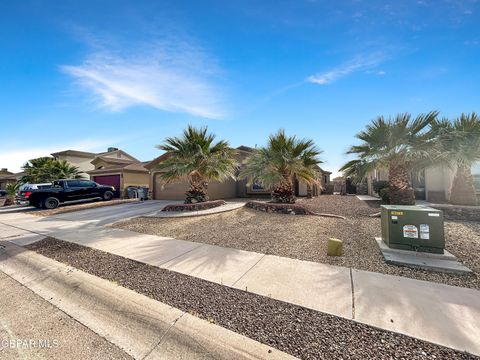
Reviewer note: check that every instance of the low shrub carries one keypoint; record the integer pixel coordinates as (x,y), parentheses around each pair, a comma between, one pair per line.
(378,185)
(385,195)
(270,207)
(194,207)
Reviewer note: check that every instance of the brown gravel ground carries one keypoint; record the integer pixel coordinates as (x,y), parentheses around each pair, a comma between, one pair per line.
(77,207)
(348,206)
(293,329)
(305,237)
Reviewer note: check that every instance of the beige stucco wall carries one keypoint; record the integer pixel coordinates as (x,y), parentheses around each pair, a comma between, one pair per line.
(375,175)
(438,182)
(176,190)
(302,188)
(100,164)
(131,178)
(83,163)
(118,155)
(225,190)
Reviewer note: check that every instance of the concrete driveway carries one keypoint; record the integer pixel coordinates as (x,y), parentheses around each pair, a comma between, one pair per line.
(109,214)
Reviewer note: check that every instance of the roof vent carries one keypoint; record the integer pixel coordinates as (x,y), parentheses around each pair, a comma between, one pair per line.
(110,149)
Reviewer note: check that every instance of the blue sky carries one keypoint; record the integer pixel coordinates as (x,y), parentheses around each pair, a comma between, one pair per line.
(86,75)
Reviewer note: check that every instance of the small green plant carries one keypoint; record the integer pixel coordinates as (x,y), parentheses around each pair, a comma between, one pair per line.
(378,185)
(385,195)
(11,189)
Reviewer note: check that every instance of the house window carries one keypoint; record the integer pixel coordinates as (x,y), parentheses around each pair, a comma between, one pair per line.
(257,187)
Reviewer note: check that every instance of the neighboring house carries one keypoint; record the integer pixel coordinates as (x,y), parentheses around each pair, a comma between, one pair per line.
(118,169)
(6,177)
(80,159)
(114,167)
(216,190)
(432,184)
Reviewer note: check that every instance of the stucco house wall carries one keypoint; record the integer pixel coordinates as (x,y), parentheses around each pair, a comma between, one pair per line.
(82,162)
(438,182)
(134,178)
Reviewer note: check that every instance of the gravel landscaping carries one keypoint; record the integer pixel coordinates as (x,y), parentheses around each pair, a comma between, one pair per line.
(305,237)
(348,205)
(83,206)
(296,330)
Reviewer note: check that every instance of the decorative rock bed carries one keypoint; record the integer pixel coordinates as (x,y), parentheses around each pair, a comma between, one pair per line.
(458,212)
(292,209)
(194,207)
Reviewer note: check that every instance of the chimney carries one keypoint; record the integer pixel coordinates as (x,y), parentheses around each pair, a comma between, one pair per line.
(110,149)
(4,169)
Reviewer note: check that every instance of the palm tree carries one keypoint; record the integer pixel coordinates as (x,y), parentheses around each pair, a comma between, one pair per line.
(47,169)
(458,146)
(284,159)
(64,170)
(12,189)
(196,158)
(400,145)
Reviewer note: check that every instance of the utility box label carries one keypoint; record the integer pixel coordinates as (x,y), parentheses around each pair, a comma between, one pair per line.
(410,231)
(424,231)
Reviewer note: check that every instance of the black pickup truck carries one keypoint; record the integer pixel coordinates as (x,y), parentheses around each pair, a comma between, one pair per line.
(69,190)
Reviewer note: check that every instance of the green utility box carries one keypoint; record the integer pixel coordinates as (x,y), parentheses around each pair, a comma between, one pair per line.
(413,228)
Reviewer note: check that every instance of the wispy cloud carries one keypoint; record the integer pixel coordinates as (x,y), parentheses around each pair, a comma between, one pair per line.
(13,157)
(169,76)
(359,63)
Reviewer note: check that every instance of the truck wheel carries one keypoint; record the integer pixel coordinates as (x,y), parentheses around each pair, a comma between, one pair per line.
(108,195)
(51,202)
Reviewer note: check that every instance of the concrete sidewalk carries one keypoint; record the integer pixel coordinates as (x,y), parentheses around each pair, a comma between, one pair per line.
(438,313)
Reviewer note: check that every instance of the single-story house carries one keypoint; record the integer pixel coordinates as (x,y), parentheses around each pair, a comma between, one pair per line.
(228,189)
(6,177)
(121,170)
(433,184)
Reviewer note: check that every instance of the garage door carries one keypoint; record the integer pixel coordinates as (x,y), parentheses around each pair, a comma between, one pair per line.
(176,191)
(172,191)
(112,180)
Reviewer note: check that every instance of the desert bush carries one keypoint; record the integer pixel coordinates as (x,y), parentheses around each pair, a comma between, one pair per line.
(385,195)
(378,185)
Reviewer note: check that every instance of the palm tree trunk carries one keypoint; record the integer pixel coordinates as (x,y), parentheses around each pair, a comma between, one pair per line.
(401,193)
(283,192)
(197,191)
(463,190)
